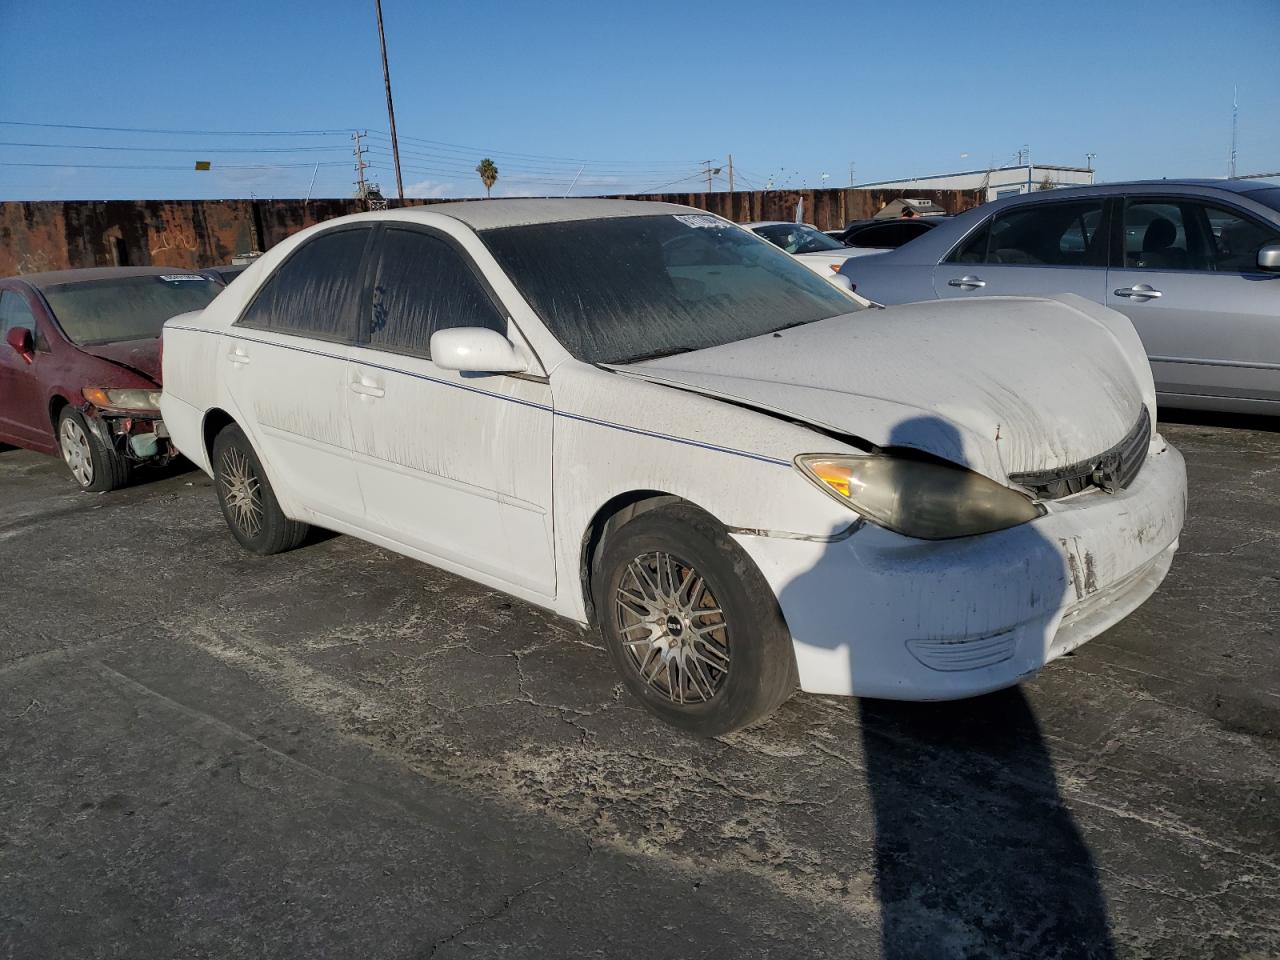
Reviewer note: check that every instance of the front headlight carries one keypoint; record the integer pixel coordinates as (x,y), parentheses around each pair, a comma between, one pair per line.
(925,499)
(136,401)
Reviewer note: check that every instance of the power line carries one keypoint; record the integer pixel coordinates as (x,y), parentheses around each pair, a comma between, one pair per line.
(198,150)
(471,150)
(221,166)
(193,133)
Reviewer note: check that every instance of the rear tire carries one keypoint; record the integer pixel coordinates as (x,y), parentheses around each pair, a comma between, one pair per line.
(248,503)
(690,622)
(95,466)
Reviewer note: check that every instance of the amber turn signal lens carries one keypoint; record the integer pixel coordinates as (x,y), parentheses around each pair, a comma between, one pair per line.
(837,476)
(97,396)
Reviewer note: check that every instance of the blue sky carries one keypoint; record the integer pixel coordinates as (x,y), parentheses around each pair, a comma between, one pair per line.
(633,95)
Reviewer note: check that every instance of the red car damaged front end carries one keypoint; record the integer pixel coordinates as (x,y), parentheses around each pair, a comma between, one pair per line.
(122,398)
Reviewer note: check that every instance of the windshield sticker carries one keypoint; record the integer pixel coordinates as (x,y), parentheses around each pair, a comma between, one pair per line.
(171,277)
(701,220)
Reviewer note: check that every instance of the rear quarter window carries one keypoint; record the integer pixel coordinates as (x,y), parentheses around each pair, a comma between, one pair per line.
(316,292)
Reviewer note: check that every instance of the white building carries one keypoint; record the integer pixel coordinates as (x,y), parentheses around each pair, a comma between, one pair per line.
(998,182)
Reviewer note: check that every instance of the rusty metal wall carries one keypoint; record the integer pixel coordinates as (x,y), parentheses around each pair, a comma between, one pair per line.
(56,235)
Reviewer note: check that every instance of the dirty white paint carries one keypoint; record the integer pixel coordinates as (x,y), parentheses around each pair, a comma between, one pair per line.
(498,477)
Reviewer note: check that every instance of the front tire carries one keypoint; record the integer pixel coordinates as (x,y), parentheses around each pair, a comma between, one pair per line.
(691,624)
(95,466)
(248,503)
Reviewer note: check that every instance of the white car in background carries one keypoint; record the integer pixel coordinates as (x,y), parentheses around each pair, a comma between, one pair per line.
(638,416)
(817,251)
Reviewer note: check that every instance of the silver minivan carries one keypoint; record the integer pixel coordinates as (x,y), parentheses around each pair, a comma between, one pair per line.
(1195,264)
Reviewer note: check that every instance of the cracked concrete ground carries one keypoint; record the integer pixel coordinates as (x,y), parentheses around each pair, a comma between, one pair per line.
(338,752)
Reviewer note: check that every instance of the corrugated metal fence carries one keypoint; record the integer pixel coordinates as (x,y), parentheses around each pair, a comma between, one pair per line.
(55,235)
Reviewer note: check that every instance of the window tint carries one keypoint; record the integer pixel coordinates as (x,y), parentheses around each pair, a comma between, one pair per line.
(891,235)
(316,291)
(1048,234)
(423,285)
(974,247)
(1189,235)
(15,313)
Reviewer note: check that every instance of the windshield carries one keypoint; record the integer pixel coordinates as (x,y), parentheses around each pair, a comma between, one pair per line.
(798,238)
(126,308)
(629,288)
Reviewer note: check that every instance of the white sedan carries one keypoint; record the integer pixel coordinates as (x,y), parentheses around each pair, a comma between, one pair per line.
(640,417)
(816,250)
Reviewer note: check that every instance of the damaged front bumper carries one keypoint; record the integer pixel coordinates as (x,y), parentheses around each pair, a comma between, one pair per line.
(878,614)
(138,437)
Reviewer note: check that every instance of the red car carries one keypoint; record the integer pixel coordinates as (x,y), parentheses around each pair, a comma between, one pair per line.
(80,365)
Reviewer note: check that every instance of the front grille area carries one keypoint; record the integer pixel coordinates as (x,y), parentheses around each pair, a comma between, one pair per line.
(1110,470)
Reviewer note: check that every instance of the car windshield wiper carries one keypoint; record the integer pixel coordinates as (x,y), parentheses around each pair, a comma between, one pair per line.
(655,355)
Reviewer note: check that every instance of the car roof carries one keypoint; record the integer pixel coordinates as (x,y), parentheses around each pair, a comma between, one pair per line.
(53,278)
(1243,187)
(518,212)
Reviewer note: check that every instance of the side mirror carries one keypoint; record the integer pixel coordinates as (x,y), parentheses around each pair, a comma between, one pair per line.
(1269,258)
(22,342)
(475,350)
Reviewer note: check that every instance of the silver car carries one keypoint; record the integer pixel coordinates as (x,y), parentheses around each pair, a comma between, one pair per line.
(1195,264)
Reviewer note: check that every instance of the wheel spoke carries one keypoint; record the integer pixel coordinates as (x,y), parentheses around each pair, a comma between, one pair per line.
(662,605)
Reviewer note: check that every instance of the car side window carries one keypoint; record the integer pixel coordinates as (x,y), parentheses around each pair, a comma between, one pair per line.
(1048,234)
(892,235)
(15,313)
(424,284)
(973,249)
(1191,235)
(316,291)
(1155,235)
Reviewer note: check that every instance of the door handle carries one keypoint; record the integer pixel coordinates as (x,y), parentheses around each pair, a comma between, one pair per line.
(238,355)
(367,388)
(967,283)
(1141,291)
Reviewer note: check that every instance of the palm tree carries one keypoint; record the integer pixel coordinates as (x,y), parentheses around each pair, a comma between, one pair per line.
(488,171)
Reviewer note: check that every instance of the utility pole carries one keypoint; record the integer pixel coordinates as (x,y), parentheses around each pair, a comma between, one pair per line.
(850,174)
(391,113)
(359,152)
(1235,125)
(731,173)
(707,172)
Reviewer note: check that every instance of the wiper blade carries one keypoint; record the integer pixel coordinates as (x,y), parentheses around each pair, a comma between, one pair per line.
(655,355)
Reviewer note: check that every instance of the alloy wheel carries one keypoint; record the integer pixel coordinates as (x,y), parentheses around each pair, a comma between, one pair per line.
(76,451)
(242,491)
(673,628)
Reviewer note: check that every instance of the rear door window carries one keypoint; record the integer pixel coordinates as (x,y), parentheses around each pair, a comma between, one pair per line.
(316,291)
(424,284)
(1048,234)
(973,249)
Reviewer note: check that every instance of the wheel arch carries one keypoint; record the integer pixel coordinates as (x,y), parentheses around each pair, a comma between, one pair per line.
(56,403)
(612,514)
(215,421)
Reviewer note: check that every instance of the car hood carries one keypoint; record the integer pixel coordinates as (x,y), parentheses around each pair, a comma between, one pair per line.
(140,356)
(1001,385)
